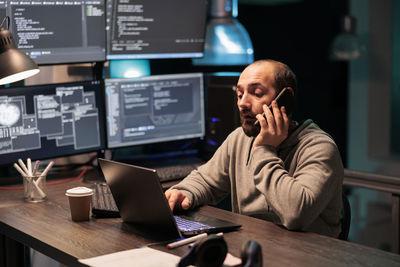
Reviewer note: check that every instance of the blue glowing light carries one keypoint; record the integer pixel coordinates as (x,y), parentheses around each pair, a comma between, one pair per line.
(129,68)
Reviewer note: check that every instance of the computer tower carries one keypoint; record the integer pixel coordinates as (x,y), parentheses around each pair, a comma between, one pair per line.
(222,114)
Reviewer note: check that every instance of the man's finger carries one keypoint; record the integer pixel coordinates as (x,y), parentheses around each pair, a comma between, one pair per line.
(173,198)
(286,122)
(185,203)
(270,119)
(277,116)
(261,120)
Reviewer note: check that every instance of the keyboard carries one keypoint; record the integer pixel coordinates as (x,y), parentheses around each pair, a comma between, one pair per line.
(190,225)
(103,203)
(175,172)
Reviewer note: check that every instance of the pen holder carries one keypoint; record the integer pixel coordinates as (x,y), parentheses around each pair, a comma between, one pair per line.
(35,188)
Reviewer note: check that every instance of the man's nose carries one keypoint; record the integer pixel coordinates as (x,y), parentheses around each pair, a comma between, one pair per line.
(244,102)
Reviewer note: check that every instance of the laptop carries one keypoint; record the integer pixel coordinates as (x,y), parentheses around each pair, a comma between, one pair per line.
(141,202)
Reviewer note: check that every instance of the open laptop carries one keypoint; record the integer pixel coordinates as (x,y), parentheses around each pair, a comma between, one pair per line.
(141,201)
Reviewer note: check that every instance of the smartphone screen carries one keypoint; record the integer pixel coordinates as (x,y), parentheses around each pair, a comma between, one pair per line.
(284,98)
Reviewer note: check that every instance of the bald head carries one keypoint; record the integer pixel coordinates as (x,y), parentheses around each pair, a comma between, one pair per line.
(283,75)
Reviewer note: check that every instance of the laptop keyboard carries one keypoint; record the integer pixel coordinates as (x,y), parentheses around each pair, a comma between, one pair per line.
(103,203)
(189,225)
(103,206)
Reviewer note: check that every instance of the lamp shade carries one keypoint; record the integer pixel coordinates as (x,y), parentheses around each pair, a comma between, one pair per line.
(14,65)
(227,41)
(346,45)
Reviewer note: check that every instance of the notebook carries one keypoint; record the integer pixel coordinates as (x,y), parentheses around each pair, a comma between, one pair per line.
(141,202)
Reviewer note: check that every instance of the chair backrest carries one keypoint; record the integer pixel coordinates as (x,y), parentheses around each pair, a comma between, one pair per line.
(346,217)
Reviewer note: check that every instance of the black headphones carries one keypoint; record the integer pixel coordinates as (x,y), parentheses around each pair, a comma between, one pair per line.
(251,254)
(211,252)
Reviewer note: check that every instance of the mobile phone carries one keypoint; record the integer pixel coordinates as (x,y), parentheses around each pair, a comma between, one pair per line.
(284,98)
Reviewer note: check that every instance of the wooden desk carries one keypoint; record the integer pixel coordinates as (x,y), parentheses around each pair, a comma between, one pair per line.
(47,227)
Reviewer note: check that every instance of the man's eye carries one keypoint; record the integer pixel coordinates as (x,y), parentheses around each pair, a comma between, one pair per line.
(258,92)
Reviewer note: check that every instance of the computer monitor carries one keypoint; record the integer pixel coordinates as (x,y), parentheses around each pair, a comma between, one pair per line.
(48,121)
(56,32)
(151,29)
(154,109)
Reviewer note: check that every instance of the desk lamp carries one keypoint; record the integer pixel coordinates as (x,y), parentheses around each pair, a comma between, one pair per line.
(14,65)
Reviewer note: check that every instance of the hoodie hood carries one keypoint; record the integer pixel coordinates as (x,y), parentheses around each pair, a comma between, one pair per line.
(302,131)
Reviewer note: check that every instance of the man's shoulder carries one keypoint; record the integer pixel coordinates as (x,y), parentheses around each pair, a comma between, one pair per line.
(309,129)
(313,136)
(307,134)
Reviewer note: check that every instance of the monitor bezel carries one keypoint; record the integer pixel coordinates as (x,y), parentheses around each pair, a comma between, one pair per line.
(66,59)
(155,55)
(164,140)
(102,123)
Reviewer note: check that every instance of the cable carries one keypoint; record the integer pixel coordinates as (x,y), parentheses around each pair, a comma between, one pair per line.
(51,183)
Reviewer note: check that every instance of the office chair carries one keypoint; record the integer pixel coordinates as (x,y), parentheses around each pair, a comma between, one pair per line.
(346,217)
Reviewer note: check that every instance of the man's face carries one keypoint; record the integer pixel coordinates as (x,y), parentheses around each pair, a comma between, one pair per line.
(255,88)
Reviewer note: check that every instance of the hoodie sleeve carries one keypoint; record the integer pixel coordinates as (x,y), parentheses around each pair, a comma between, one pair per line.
(298,199)
(210,182)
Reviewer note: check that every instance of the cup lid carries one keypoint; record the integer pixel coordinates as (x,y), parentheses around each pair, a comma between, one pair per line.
(80,191)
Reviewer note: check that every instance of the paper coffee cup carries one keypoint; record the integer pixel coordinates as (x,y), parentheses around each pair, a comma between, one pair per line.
(79,202)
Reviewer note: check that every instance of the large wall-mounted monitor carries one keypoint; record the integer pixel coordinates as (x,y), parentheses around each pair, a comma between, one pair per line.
(151,29)
(48,121)
(57,32)
(154,109)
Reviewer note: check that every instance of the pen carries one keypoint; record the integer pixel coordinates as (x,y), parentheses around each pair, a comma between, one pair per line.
(186,241)
(19,169)
(44,173)
(35,168)
(191,244)
(29,165)
(22,164)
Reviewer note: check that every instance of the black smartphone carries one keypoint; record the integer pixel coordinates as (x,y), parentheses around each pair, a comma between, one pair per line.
(284,98)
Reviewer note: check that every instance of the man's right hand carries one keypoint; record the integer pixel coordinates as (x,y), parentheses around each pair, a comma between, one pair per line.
(176,198)
(275,128)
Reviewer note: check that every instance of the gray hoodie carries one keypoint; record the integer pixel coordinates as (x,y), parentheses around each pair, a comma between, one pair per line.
(298,185)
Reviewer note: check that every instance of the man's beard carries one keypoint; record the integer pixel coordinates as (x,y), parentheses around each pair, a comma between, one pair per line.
(248,127)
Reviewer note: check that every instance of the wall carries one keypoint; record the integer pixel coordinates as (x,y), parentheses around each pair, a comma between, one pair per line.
(300,34)
(370,83)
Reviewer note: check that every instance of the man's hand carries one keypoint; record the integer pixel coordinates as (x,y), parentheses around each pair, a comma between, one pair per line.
(176,198)
(274,129)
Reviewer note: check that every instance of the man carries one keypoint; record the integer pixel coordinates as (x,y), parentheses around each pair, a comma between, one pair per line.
(279,171)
